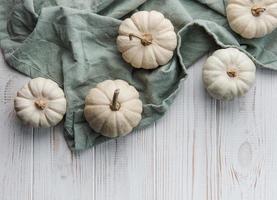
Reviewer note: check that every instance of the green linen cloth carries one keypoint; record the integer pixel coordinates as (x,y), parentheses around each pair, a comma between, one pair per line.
(73,43)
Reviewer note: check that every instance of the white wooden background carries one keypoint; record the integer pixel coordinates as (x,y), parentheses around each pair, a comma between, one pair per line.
(202,149)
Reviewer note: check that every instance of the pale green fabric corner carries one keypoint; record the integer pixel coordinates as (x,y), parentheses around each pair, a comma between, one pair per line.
(73,43)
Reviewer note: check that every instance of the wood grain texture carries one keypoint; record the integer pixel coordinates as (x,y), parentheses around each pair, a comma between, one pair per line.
(246,142)
(201,149)
(16,149)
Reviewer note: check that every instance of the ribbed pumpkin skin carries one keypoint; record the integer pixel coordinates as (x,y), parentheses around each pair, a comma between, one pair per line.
(228,73)
(154,27)
(50,107)
(250,19)
(108,122)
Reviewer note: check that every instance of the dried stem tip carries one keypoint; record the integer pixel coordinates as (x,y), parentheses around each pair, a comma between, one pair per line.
(115,105)
(146,39)
(41,104)
(232,73)
(257,10)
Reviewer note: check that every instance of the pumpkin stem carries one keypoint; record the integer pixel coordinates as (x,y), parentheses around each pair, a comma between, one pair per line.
(257,10)
(232,73)
(146,39)
(115,106)
(41,104)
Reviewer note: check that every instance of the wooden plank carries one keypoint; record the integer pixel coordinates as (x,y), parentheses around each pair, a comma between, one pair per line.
(247,141)
(124,168)
(84,174)
(16,149)
(59,173)
(185,158)
(52,166)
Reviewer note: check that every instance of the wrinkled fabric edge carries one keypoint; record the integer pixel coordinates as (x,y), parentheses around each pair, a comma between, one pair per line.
(201,24)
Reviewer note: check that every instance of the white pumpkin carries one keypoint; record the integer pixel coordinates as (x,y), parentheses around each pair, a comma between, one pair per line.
(252,18)
(147,39)
(40,103)
(228,73)
(113,108)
